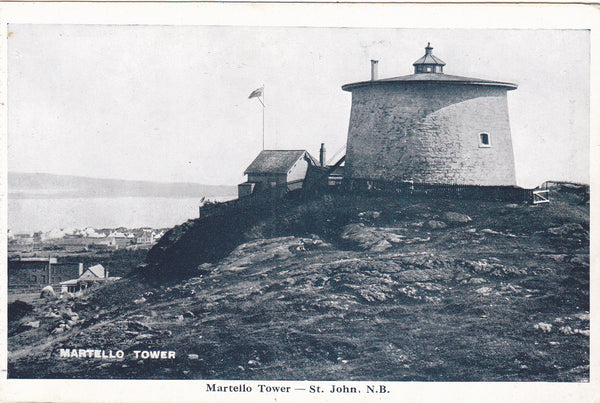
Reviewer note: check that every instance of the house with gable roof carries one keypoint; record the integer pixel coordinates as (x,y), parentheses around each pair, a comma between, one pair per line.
(147,236)
(92,275)
(117,239)
(276,169)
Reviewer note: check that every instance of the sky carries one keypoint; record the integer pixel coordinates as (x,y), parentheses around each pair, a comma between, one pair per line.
(170,103)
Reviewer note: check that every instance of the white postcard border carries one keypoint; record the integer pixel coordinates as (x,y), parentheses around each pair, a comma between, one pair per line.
(522,16)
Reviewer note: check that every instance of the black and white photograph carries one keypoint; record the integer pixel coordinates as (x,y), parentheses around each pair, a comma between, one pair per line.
(317,211)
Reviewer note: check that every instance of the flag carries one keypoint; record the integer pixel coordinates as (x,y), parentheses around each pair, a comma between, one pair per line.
(257,93)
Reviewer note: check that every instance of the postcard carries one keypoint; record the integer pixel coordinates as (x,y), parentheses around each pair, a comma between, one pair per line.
(261,202)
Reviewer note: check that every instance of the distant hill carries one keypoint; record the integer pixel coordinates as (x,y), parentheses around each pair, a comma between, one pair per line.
(40,185)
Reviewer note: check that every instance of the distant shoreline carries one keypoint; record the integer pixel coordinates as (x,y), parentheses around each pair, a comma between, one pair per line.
(57,196)
(50,186)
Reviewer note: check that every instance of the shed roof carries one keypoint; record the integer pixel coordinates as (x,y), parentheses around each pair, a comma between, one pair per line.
(431,77)
(275,161)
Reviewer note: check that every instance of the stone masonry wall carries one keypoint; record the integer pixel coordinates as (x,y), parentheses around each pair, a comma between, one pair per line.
(429,133)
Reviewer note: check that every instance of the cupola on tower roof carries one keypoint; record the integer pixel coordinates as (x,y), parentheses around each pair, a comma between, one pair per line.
(429,63)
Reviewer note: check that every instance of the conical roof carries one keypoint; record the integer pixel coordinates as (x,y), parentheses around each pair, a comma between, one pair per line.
(429,58)
(431,77)
(430,69)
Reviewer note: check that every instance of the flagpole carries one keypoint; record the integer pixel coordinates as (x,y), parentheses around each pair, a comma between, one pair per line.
(257,93)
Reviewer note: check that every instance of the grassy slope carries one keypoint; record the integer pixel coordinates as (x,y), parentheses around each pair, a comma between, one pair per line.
(297,300)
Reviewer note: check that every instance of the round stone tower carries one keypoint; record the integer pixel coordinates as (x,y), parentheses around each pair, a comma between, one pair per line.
(430,127)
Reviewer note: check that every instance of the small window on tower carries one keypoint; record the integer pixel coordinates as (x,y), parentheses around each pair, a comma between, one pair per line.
(484,140)
(428,69)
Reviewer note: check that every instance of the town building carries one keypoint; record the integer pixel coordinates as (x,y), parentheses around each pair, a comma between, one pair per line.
(117,240)
(276,169)
(24,242)
(146,237)
(96,239)
(96,274)
(430,127)
(36,273)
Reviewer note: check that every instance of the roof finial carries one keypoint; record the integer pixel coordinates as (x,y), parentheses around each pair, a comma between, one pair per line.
(428,48)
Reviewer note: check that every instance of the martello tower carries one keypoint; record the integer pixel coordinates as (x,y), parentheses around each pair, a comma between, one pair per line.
(430,127)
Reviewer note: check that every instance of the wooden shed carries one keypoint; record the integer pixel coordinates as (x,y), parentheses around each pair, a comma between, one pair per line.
(276,169)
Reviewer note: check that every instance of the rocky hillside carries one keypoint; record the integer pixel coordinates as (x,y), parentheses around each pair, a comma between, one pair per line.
(340,288)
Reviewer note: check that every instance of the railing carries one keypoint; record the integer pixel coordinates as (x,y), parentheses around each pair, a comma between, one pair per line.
(503,193)
(541,196)
(266,198)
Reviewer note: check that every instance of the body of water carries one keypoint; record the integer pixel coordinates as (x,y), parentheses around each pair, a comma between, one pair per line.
(29,215)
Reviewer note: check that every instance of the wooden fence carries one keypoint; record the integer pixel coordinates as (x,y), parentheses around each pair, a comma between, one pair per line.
(501,193)
(268,198)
